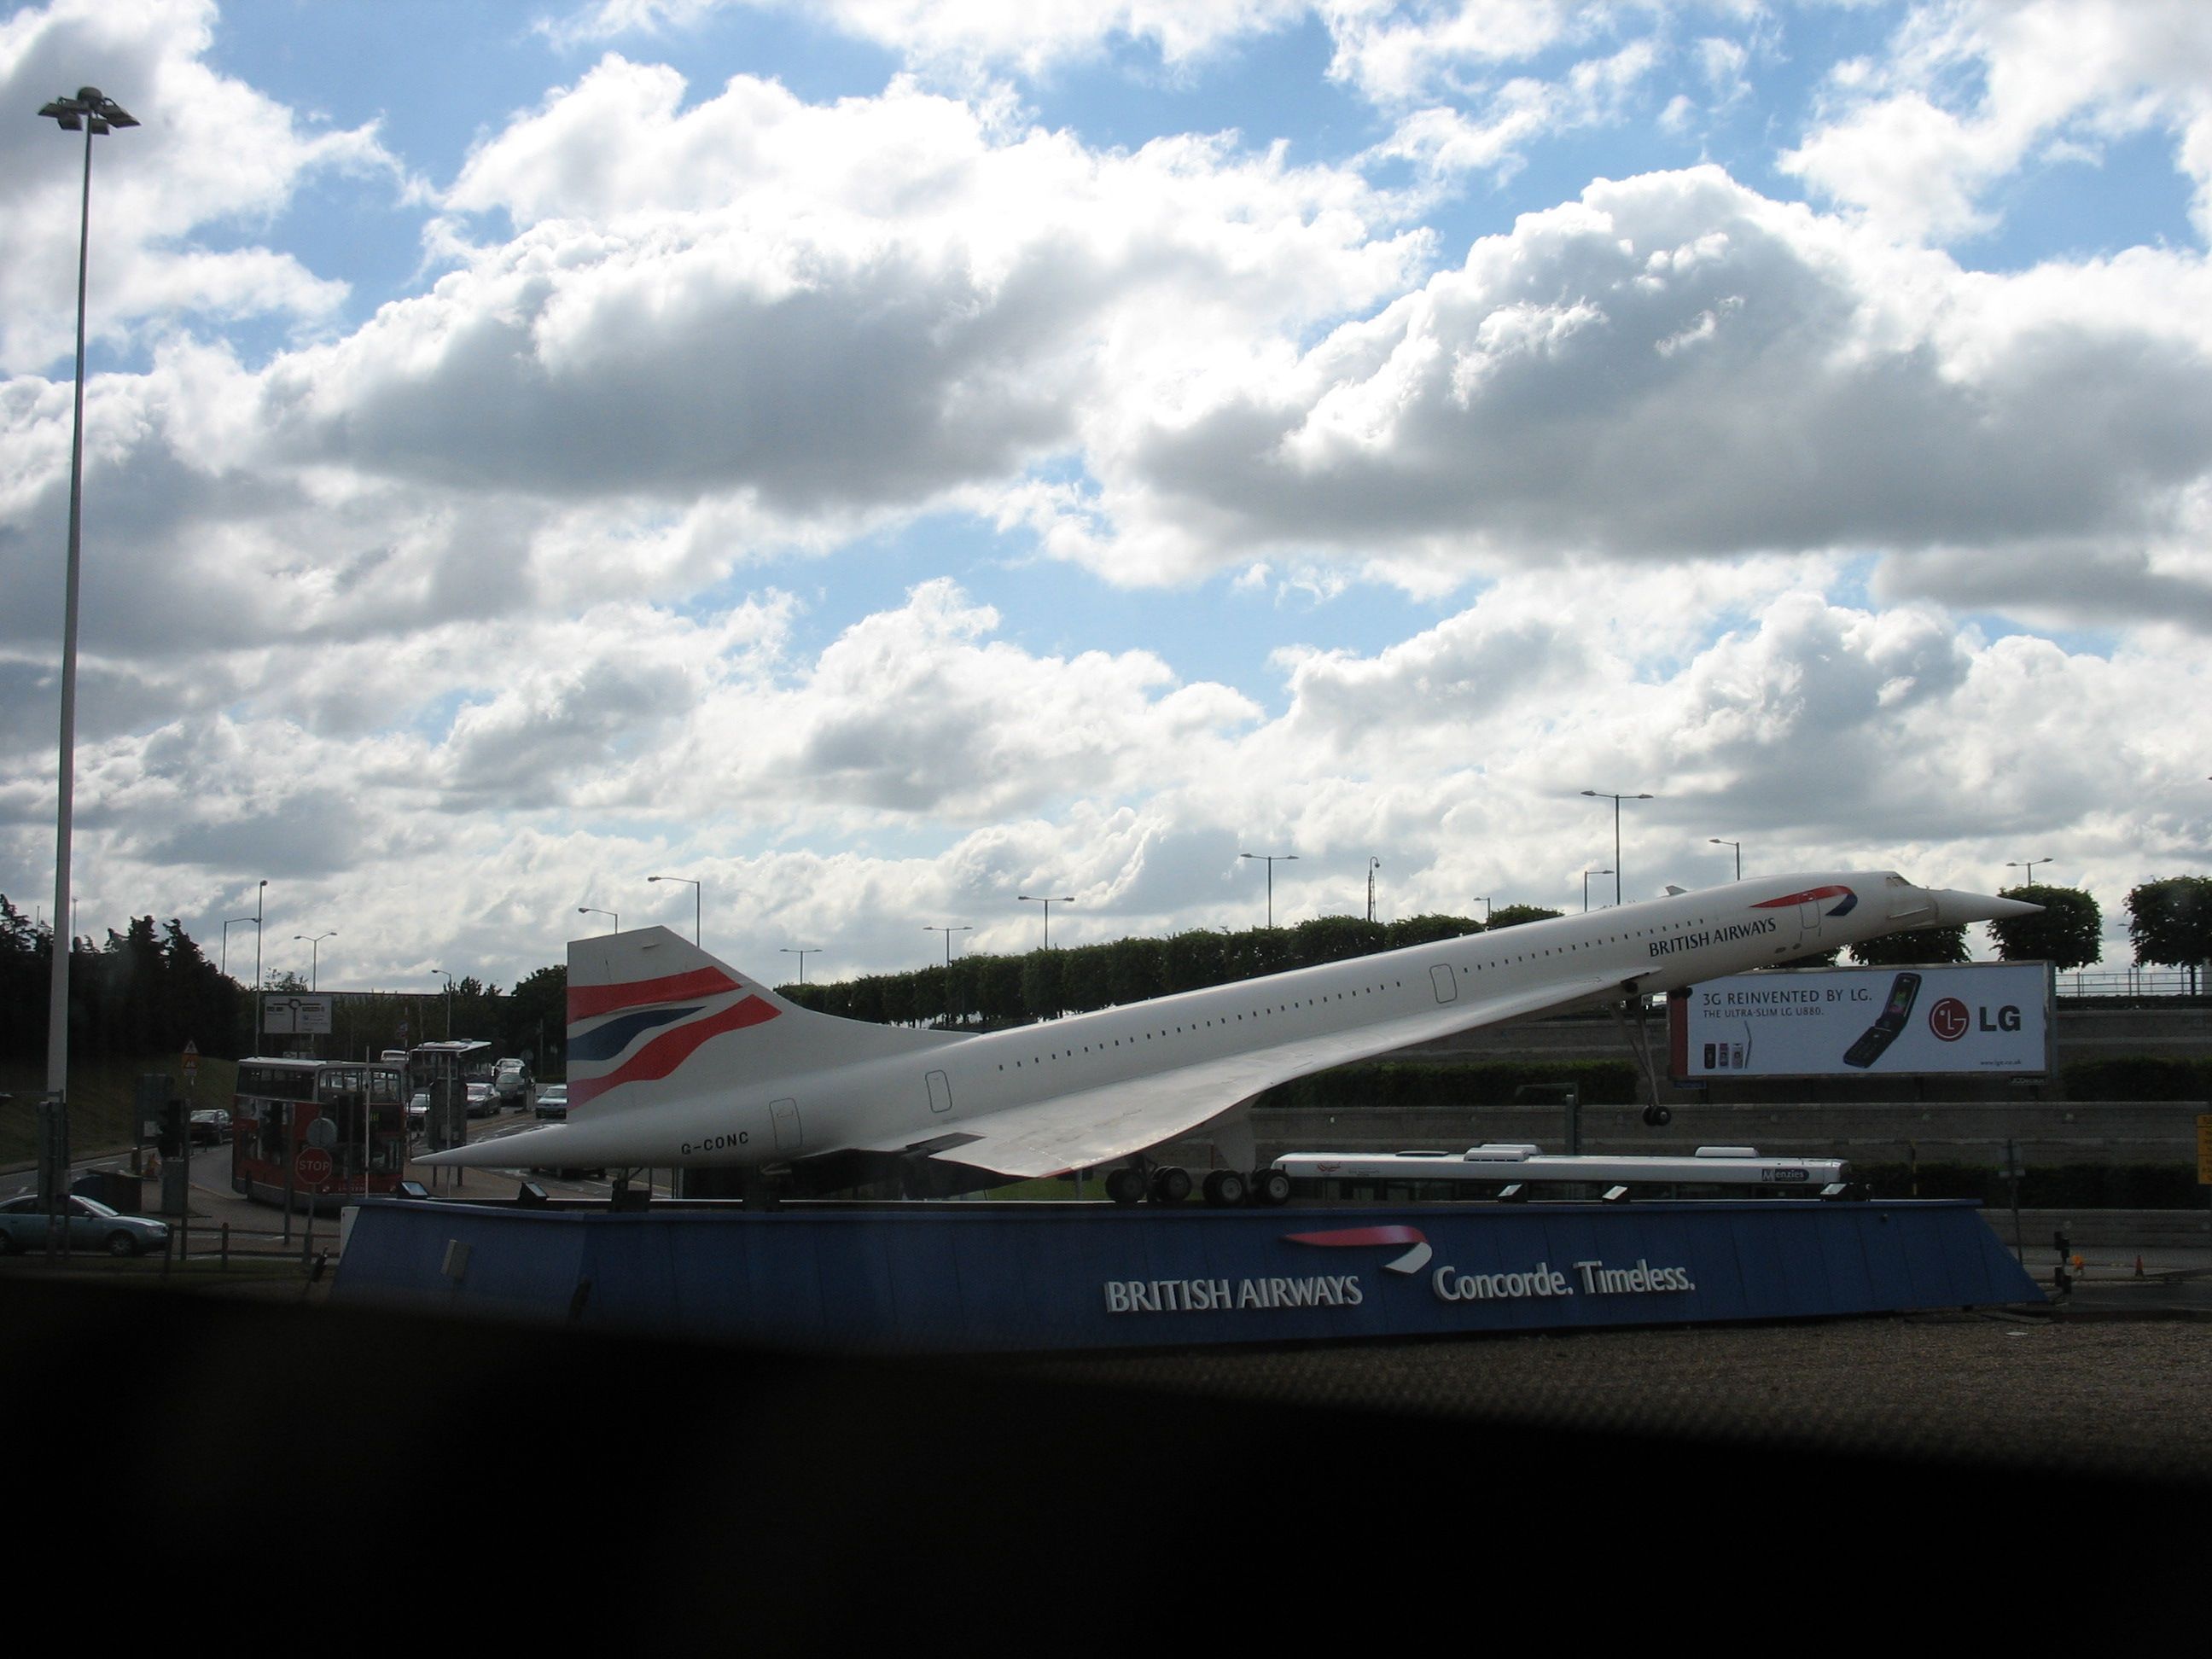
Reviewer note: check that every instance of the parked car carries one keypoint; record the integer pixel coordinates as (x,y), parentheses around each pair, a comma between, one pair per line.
(92,1226)
(418,1112)
(481,1102)
(512,1083)
(553,1100)
(210,1126)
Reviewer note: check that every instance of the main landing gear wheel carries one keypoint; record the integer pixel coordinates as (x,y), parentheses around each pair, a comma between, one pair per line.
(1271,1188)
(1225,1189)
(1126,1186)
(1171,1184)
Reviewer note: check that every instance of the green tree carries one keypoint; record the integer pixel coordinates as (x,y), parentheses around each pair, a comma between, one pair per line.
(1512,915)
(2068,933)
(1428,929)
(1191,959)
(2170,922)
(1938,945)
(1335,938)
(538,1009)
(1041,983)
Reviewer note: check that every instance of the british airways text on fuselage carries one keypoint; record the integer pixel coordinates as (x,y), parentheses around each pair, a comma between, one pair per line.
(1734,931)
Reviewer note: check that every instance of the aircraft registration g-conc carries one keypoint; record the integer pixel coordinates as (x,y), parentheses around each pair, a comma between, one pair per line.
(678,1061)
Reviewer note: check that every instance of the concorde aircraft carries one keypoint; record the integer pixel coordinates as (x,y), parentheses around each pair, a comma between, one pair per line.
(678,1061)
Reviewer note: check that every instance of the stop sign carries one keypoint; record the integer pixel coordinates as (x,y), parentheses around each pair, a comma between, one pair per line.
(312,1166)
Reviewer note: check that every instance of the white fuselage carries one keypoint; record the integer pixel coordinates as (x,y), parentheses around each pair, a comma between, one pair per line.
(1653,947)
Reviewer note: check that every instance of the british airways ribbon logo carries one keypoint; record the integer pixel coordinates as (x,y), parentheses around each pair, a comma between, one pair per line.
(642,1030)
(1358,1237)
(1815,896)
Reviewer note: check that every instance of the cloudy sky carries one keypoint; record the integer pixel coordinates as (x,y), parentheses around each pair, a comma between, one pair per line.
(880,457)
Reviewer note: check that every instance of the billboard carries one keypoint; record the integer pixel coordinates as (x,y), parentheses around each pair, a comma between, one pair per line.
(1980,1016)
(286,1014)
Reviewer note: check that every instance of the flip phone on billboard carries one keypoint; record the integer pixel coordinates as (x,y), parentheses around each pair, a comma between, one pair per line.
(1887,1023)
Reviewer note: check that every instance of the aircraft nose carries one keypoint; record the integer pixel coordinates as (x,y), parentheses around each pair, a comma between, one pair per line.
(1954,907)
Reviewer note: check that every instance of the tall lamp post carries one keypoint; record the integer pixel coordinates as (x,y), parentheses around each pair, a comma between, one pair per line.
(802,953)
(311,944)
(1601,795)
(593,910)
(1587,874)
(2027,865)
(948,931)
(1738,845)
(1484,903)
(1048,903)
(697,900)
(1373,864)
(235,922)
(259,893)
(1271,860)
(93,112)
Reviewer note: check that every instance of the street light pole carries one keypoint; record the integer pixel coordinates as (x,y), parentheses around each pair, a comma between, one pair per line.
(1048,903)
(235,922)
(2027,865)
(948,931)
(1601,795)
(802,953)
(312,945)
(593,910)
(258,930)
(697,900)
(449,1002)
(1373,864)
(93,112)
(1272,859)
(1587,874)
(1738,845)
(1484,903)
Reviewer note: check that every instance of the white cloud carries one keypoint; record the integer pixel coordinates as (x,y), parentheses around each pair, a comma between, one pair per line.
(1974,91)
(1675,365)
(1030,35)
(212,151)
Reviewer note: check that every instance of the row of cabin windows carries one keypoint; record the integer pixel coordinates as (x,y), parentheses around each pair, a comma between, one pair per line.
(1203,1024)
(1338,996)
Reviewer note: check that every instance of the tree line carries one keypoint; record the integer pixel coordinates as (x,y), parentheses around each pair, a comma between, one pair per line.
(150,988)
(2170,924)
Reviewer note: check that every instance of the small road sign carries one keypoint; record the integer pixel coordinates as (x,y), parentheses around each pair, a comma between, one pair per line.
(312,1166)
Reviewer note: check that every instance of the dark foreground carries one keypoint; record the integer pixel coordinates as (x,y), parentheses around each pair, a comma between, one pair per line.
(808,1501)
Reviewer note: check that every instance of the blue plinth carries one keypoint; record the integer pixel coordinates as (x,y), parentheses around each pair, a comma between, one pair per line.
(960,1278)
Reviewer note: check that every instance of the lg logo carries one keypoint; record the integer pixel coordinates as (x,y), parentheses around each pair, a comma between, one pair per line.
(1950,1020)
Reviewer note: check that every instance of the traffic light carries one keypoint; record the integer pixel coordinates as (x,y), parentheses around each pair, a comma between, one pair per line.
(171,1142)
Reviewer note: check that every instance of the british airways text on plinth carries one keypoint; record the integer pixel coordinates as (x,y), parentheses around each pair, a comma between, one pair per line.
(1220,1295)
(1592,1278)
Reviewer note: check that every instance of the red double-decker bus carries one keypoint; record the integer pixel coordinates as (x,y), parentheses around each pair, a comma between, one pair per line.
(281,1154)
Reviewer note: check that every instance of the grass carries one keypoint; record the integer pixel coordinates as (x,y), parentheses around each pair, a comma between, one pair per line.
(101,1093)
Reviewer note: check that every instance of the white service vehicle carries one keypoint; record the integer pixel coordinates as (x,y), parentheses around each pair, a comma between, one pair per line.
(1518,1164)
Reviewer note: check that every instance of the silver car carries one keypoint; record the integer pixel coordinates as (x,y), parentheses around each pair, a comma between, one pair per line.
(553,1100)
(92,1226)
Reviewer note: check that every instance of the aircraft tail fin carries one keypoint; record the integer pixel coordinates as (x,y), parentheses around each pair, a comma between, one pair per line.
(651,1018)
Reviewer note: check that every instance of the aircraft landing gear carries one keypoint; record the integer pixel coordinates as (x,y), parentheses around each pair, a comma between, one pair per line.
(1171,1184)
(1126,1185)
(1225,1189)
(1271,1188)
